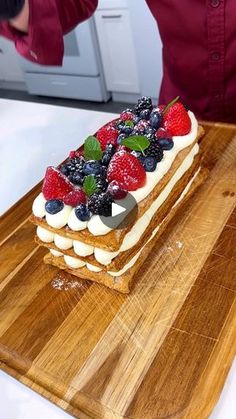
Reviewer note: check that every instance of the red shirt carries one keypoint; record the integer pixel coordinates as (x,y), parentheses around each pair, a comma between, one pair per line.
(49,20)
(199,55)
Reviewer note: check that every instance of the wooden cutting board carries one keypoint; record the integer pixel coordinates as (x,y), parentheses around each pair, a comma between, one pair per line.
(162,351)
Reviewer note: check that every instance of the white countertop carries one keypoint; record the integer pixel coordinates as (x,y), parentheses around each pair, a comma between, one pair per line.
(33,136)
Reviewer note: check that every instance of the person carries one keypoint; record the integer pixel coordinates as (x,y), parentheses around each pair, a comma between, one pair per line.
(37,26)
(199,55)
(199,47)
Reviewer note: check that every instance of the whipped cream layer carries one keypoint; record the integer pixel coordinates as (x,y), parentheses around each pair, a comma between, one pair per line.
(95,225)
(133,236)
(76,264)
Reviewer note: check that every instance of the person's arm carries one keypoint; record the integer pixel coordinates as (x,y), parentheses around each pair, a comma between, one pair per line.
(21,22)
(38,30)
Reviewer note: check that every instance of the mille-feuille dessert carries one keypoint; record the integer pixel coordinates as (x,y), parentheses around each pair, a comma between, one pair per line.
(150,154)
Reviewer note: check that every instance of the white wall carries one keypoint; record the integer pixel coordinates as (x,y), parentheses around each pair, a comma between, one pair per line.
(148,47)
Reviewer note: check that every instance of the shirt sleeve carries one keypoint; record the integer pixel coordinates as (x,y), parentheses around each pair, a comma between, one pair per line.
(48,22)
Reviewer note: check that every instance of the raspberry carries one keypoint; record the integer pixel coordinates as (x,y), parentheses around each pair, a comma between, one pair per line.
(76,197)
(163,133)
(116,191)
(56,185)
(127,170)
(127,115)
(107,135)
(177,120)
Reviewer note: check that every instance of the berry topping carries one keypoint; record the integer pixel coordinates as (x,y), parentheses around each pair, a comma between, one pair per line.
(92,167)
(75,198)
(144,114)
(82,213)
(53,206)
(155,119)
(76,178)
(127,115)
(108,153)
(73,165)
(149,163)
(72,154)
(55,185)
(176,119)
(143,103)
(165,140)
(166,143)
(101,183)
(155,150)
(127,171)
(116,191)
(106,135)
(100,204)
(120,138)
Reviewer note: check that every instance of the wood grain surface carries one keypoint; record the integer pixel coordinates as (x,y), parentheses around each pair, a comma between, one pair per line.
(162,351)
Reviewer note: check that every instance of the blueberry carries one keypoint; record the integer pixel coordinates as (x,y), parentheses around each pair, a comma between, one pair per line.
(76,178)
(54,206)
(155,119)
(82,212)
(144,114)
(127,129)
(166,143)
(92,167)
(120,138)
(136,119)
(149,163)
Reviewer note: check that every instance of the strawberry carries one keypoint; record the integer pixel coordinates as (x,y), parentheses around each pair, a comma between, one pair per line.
(127,115)
(127,170)
(107,135)
(75,197)
(56,185)
(176,119)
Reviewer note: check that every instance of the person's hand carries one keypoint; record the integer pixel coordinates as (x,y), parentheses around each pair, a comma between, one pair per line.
(21,22)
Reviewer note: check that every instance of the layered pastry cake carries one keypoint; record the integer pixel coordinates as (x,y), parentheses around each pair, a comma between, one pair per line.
(150,154)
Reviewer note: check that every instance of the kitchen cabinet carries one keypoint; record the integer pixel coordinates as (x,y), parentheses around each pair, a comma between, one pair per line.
(117,50)
(10,69)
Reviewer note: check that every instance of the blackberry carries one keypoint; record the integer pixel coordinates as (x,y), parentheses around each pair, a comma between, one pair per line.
(100,204)
(101,183)
(143,103)
(154,150)
(72,165)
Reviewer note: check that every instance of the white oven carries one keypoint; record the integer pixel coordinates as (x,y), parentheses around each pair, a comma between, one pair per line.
(80,77)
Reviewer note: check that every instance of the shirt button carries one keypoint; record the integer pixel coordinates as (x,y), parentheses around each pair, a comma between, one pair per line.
(32,53)
(215,3)
(215,56)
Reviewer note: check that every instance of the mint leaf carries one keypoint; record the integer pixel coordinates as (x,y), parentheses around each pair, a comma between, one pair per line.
(90,185)
(136,142)
(92,149)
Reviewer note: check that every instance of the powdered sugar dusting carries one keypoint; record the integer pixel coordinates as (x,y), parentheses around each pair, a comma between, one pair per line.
(62,284)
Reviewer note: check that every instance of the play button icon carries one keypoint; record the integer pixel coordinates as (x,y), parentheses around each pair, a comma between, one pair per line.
(124,212)
(116,209)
